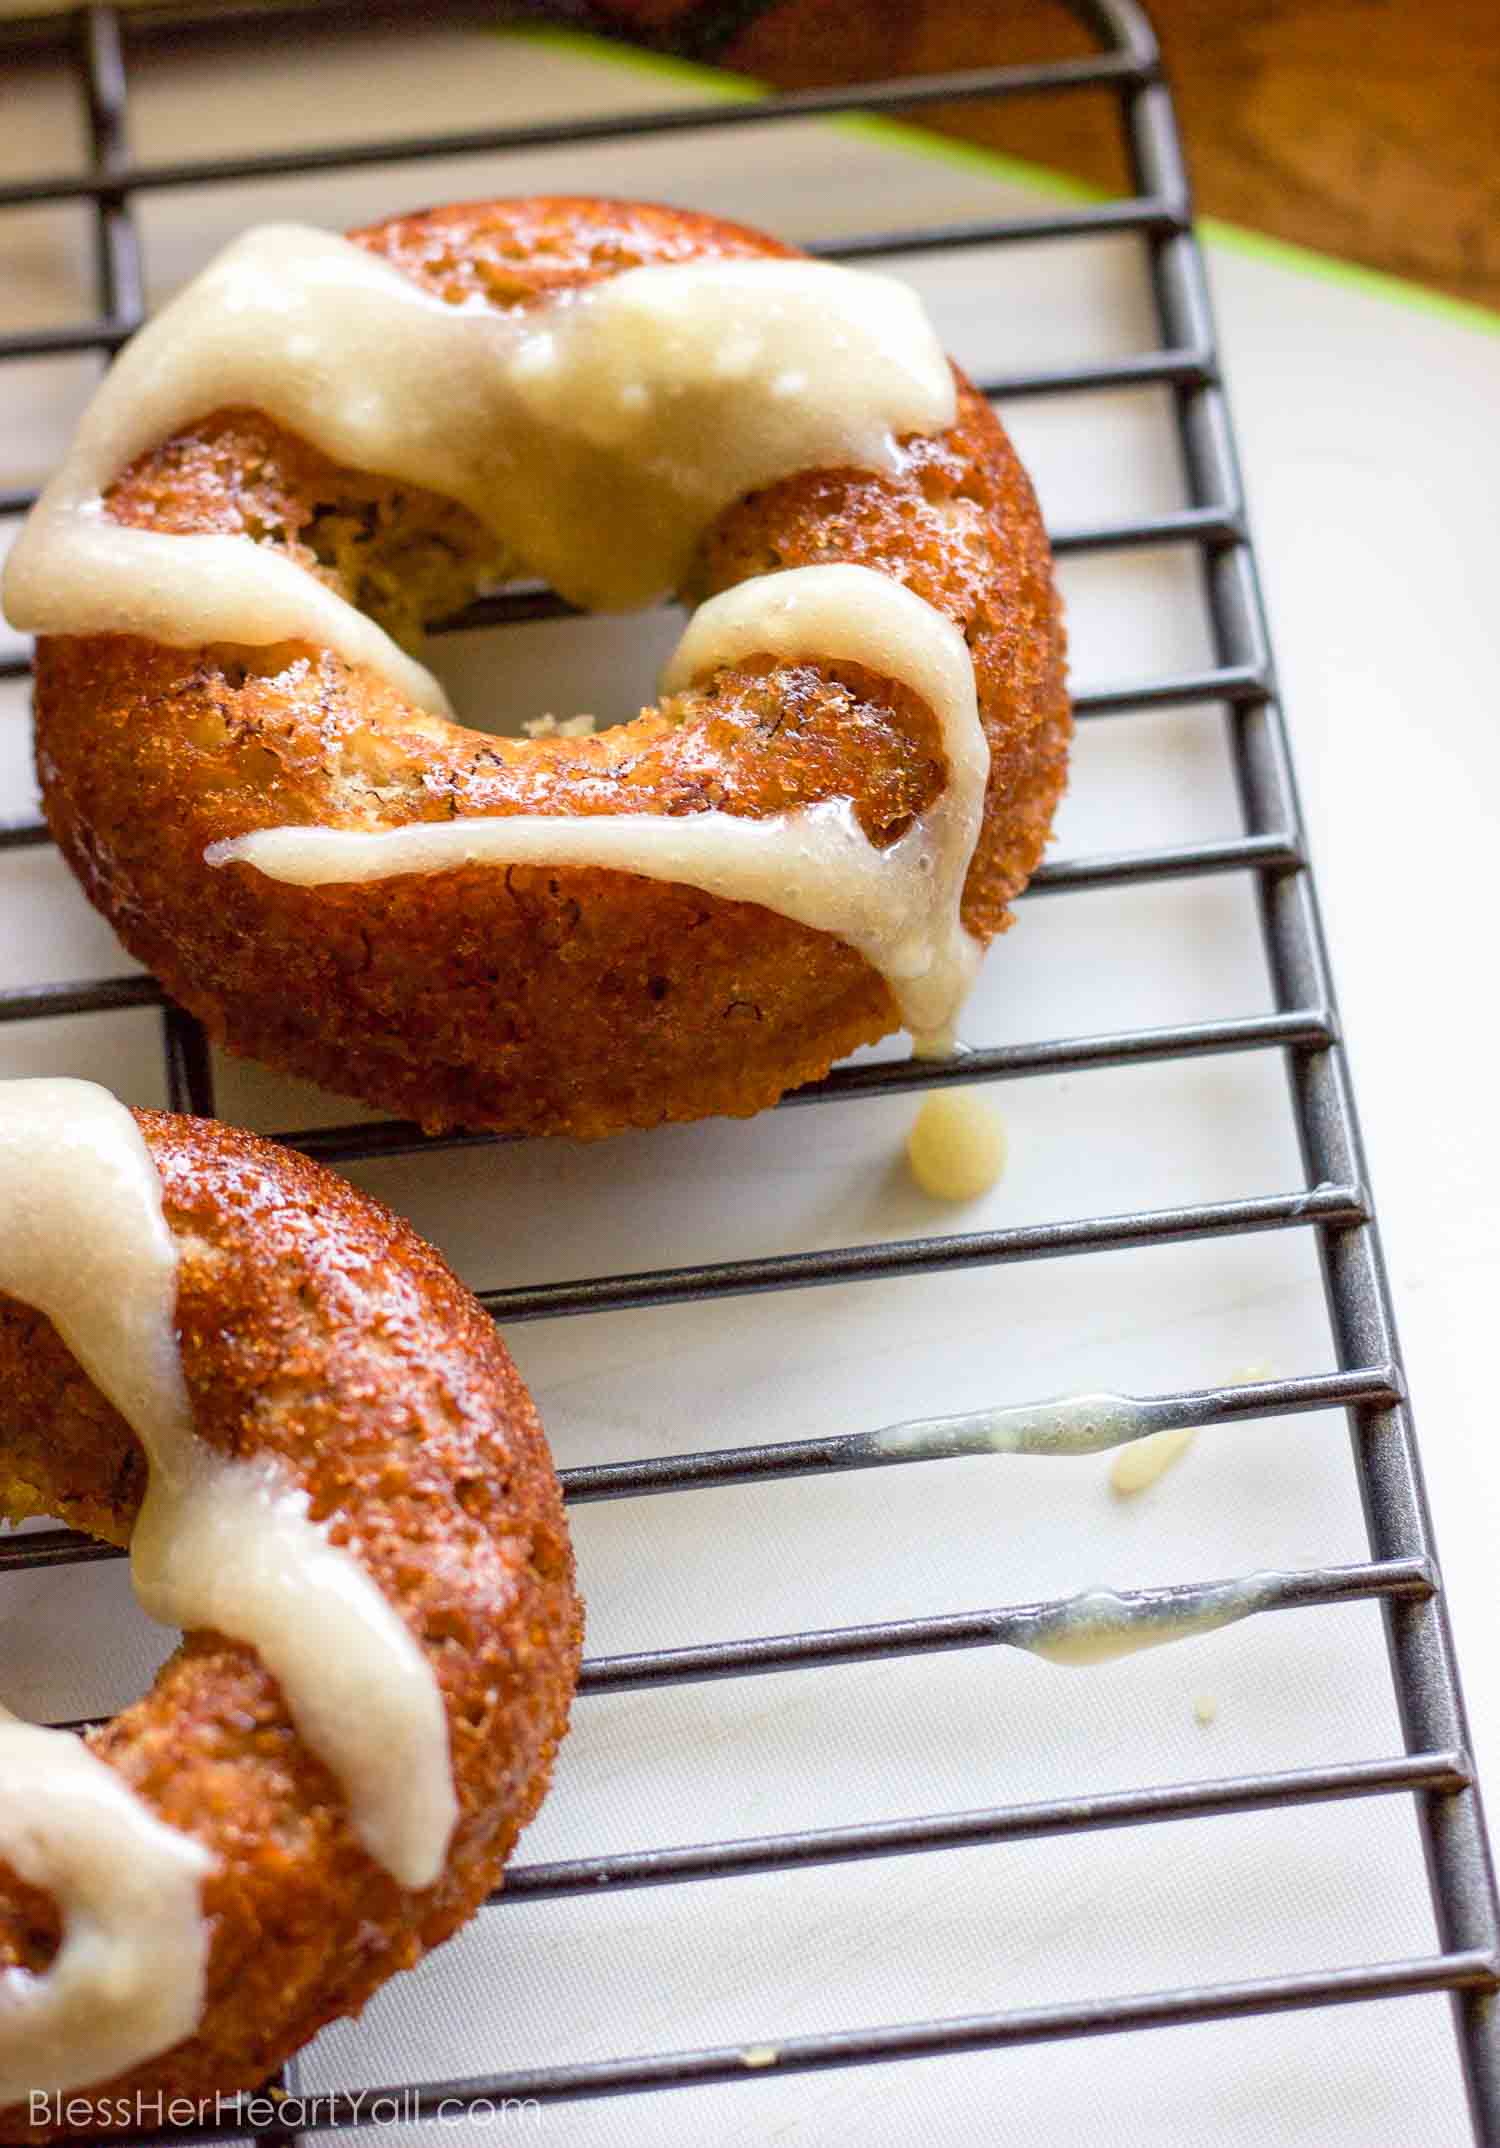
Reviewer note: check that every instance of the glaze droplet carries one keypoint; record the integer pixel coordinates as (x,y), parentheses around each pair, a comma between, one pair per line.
(957,1147)
(1137,1467)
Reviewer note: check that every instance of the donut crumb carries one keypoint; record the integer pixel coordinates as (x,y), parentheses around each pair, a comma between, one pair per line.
(550,726)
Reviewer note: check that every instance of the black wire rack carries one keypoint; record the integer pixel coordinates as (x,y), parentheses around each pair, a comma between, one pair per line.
(1400,1571)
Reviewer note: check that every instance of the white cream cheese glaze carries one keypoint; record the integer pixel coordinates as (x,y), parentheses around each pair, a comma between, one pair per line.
(1062,1425)
(898,907)
(597,435)
(956,1149)
(127,1980)
(219,1544)
(1100,1625)
(1137,1467)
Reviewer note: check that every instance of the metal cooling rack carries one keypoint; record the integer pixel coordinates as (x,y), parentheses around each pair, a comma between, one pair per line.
(1401,1569)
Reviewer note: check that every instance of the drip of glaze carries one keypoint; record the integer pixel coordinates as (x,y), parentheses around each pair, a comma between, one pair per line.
(218,1544)
(941,1044)
(1069,1425)
(1099,1625)
(127,1980)
(956,1149)
(898,907)
(1137,1467)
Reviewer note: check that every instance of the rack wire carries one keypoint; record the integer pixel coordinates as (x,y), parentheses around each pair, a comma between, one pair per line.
(1400,1571)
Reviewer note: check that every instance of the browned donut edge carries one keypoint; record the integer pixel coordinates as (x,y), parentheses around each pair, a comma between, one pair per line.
(317,1327)
(536,1000)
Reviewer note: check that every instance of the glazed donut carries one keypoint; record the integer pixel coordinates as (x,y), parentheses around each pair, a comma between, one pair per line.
(806,844)
(331,1476)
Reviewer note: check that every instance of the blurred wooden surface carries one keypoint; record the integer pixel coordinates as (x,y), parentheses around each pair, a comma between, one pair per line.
(1364,128)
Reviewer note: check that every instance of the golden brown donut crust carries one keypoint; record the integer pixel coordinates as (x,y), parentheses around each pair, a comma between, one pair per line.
(535,1000)
(316,1327)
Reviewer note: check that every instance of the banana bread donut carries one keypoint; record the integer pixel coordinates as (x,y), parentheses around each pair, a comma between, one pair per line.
(323,448)
(331,1475)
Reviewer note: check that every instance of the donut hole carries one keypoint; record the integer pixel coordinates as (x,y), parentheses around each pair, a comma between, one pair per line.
(411,560)
(554,681)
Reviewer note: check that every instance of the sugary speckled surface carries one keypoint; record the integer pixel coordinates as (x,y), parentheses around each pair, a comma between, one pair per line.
(316,1328)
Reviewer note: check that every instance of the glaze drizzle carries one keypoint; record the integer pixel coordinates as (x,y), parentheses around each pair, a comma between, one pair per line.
(219,1544)
(898,907)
